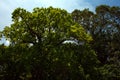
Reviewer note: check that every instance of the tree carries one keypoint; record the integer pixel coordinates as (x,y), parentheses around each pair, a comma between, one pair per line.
(40,25)
(108,28)
(103,26)
(37,50)
(104,29)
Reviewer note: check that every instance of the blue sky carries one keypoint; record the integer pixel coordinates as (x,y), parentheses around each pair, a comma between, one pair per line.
(8,6)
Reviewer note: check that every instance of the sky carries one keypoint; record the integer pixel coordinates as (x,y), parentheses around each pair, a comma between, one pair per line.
(8,6)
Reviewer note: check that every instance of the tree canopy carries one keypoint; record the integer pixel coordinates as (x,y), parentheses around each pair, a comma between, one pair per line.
(52,44)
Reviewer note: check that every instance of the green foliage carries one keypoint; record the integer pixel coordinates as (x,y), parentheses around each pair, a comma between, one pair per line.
(52,44)
(79,33)
(37,50)
(103,26)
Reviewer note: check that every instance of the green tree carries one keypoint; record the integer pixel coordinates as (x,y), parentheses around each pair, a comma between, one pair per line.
(38,50)
(104,29)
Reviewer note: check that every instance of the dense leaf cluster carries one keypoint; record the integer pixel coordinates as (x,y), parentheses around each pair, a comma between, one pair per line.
(52,44)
